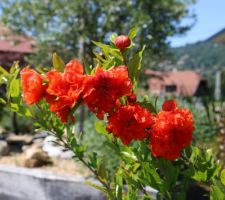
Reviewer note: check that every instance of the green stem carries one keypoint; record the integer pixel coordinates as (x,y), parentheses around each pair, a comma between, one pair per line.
(124,57)
(106,185)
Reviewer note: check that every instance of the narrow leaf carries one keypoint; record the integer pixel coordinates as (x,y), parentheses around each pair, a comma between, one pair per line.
(2,101)
(87,67)
(133,32)
(148,105)
(222,176)
(100,127)
(14,88)
(102,172)
(3,71)
(57,62)
(96,186)
(134,66)
(113,37)
(14,67)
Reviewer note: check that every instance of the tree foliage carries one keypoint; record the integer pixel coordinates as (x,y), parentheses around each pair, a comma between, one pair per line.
(66,26)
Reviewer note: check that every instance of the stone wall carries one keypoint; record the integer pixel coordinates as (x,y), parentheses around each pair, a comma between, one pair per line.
(18,183)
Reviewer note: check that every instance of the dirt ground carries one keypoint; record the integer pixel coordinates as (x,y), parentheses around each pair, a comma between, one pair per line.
(59,166)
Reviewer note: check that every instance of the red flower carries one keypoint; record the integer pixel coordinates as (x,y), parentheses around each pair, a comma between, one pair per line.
(64,89)
(103,90)
(74,66)
(65,115)
(57,85)
(32,86)
(130,123)
(61,106)
(171,132)
(74,76)
(68,83)
(122,42)
(169,105)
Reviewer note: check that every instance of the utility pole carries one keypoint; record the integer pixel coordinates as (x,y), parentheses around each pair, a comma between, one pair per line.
(82,108)
(217,92)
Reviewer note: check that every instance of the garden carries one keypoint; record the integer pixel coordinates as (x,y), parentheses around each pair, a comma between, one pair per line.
(77,107)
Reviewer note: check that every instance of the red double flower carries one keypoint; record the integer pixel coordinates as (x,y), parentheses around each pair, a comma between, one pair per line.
(171,132)
(104,89)
(130,122)
(32,86)
(64,89)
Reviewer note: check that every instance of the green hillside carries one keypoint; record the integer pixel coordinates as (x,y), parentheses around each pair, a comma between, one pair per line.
(200,56)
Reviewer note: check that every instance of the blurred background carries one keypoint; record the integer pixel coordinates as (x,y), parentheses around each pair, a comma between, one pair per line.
(184,58)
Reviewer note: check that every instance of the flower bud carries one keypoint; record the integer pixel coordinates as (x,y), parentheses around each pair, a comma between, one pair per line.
(122,42)
(169,105)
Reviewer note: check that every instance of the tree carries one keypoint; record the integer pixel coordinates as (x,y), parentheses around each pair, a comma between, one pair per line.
(67,26)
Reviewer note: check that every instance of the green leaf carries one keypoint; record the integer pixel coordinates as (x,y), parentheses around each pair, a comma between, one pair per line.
(57,62)
(148,105)
(26,112)
(115,147)
(128,156)
(222,176)
(218,191)
(204,165)
(14,107)
(14,68)
(134,66)
(170,171)
(132,193)
(146,198)
(12,84)
(14,88)
(151,177)
(111,56)
(200,175)
(119,185)
(100,128)
(104,47)
(3,79)
(93,159)
(98,56)
(3,71)
(87,67)
(96,186)
(133,32)
(2,101)
(113,37)
(102,171)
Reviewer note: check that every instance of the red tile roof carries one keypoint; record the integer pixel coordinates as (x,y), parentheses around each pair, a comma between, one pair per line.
(10,42)
(186,82)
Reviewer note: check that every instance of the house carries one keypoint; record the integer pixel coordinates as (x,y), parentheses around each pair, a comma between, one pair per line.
(176,83)
(13,47)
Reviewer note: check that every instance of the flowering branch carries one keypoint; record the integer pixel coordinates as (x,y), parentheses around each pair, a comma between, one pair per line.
(154,148)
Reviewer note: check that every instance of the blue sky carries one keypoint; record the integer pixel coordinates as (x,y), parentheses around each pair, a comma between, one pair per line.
(210,20)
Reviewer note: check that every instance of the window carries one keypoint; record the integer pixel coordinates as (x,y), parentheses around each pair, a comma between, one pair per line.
(171,88)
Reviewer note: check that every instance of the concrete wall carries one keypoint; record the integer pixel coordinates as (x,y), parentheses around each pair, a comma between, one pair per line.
(18,183)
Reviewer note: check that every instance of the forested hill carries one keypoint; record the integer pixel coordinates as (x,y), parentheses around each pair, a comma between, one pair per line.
(200,56)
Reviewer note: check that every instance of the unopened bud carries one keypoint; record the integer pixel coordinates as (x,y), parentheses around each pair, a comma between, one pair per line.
(122,42)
